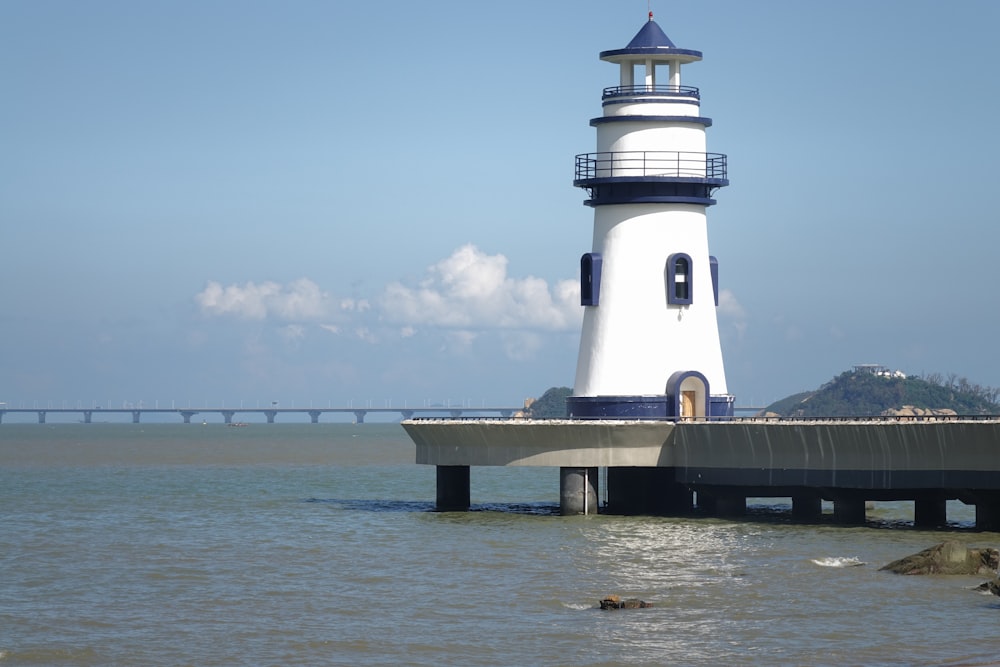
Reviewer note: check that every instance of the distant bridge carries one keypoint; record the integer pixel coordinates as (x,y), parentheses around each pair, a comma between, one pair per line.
(270,413)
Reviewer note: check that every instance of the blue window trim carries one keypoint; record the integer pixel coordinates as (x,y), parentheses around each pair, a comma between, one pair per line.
(673,297)
(591,264)
(714,263)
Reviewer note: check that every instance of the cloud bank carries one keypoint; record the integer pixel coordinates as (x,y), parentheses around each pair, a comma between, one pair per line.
(461,296)
(471,290)
(300,300)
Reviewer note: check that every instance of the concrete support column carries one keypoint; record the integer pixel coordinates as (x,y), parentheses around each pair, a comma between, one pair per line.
(187,414)
(988,512)
(41,416)
(722,503)
(730,504)
(87,416)
(314,416)
(849,511)
(452,488)
(647,491)
(135,416)
(807,508)
(577,491)
(227,416)
(270,414)
(359,416)
(930,511)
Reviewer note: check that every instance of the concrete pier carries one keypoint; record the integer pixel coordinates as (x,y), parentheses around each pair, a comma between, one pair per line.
(453,488)
(578,491)
(807,508)
(654,466)
(930,511)
(849,511)
(634,490)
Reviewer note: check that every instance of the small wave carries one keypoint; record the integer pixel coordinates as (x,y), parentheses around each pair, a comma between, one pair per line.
(838,561)
(577,605)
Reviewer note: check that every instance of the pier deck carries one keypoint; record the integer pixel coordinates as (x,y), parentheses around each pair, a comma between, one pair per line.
(654,466)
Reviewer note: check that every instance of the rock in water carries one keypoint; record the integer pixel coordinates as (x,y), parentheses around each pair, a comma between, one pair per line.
(989,586)
(615,602)
(949,557)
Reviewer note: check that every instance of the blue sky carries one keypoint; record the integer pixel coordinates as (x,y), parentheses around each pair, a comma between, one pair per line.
(371,203)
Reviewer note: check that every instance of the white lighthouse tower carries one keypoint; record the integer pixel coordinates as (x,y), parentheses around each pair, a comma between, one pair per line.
(650,341)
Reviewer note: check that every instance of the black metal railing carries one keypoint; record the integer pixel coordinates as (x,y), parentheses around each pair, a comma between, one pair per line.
(664,164)
(656,91)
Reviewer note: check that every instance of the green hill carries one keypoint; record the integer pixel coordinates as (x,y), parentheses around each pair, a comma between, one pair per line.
(870,391)
(550,405)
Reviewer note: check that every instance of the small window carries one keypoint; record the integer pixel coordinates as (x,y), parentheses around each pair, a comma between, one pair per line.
(590,279)
(679,279)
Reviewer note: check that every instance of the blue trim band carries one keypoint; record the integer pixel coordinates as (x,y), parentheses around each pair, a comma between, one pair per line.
(650,190)
(616,407)
(694,120)
(662,51)
(640,407)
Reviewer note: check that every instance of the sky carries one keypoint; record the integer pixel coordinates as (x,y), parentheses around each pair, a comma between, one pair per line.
(357,203)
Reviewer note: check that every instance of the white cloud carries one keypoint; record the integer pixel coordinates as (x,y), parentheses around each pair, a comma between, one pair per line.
(471,290)
(299,300)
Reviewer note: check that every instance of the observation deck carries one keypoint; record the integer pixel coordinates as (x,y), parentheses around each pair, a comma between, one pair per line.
(643,177)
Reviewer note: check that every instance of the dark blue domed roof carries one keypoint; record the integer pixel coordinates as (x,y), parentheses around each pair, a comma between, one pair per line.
(651,40)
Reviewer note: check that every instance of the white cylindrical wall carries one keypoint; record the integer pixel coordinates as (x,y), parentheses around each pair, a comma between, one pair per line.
(637,135)
(630,107)
(633,341)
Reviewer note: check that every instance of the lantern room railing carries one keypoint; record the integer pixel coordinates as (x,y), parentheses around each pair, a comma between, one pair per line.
(651,164)
(658,90)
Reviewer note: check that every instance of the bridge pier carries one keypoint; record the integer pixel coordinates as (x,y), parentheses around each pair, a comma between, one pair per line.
(135,416)
(41,416)
(406,413)
(314,416)
(930,511)
(578,491)
(87,414)
(187,414)
(227,416)
(633,490)
(453,488)
(359,416)
(270,414)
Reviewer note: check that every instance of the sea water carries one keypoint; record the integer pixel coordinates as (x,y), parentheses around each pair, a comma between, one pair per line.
(318,544)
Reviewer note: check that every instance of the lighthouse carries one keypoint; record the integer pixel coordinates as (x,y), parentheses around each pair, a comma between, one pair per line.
(649,345)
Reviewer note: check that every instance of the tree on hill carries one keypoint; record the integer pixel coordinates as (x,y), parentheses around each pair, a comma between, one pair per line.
(551,404)
(864,394)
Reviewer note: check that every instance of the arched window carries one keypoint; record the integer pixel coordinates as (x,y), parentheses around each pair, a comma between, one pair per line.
(590,279)
(679,279)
